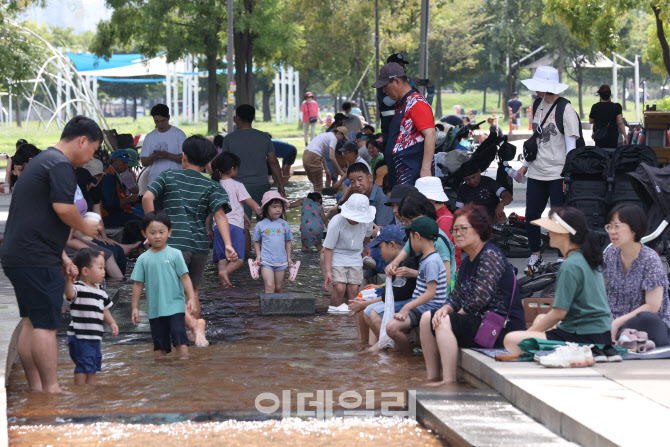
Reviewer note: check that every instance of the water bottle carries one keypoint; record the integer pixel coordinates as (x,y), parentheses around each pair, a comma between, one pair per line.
(368,294)
(516,175)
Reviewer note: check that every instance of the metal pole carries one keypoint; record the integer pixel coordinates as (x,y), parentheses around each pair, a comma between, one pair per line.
(637,88)
(230,110)
(276,82)
(175,94)
(423,41)
(377,37)
(296,98)
(289,101)
(9,108)
(614,77)
(184,92)
(168,90)
(196,96)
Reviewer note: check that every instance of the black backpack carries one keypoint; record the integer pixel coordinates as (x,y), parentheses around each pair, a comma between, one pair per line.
(561,102)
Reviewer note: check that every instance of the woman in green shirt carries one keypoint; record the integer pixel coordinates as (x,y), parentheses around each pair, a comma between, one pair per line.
(580,312)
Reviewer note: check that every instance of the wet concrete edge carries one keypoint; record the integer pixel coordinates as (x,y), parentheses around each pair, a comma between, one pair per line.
(559,422)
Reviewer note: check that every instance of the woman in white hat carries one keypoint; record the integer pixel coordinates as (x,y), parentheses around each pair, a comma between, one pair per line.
(544,173)
(580,312)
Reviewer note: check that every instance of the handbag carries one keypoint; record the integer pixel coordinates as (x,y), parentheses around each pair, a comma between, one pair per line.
(492,324)
(312,119)
(530,145)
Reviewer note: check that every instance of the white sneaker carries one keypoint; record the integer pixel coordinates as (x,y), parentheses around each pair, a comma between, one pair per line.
(533,264)
(341,309)
(570,355)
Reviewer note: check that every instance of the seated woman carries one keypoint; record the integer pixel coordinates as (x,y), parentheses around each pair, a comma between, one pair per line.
(485,283)
(580,313)
(635,280)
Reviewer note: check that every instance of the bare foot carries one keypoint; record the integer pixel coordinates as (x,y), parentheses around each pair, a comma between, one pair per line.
(54,389)
(200,338)
(374,349)
(190,336)
(223,278)
(440,384)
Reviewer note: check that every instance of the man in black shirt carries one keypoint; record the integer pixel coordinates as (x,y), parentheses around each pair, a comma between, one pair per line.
(38,225)
(485,191)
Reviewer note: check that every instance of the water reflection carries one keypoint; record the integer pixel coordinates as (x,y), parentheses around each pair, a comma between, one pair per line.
(249,354)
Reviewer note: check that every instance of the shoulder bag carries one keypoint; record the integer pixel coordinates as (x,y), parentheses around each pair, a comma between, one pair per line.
(530,145)
(492,324)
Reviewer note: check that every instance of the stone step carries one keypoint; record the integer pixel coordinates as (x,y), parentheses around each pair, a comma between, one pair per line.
(287,304)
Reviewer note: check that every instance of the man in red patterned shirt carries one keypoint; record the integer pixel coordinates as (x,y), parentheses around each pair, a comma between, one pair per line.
(411,141)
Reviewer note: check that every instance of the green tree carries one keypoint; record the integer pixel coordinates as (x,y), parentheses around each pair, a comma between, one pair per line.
(180,27)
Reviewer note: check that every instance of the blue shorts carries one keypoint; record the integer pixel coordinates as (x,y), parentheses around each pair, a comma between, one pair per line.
(274,268)
(237,239)
(85,354)
(380,305)
(165,328)
(39,293)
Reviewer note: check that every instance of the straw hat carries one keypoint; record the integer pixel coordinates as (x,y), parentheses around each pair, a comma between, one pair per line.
(358,209)
(545,79)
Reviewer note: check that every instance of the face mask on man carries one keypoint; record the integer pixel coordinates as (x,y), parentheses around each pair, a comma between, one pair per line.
(388,101)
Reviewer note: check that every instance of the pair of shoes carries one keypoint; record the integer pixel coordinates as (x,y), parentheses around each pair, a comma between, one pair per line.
(570,355)
(533,264)
(636,340)
(293,271)
(369,263)
(254,268)
(341,309)
(606,354)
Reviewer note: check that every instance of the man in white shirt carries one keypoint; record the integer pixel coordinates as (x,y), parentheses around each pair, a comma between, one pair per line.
(162,146)
(313,159)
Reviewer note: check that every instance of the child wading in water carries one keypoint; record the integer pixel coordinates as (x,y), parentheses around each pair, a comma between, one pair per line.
(225,168)
(312,221)
(163,270)
(272,242)
(90,307)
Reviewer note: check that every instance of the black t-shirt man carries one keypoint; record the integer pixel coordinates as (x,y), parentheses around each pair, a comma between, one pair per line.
(488,194)
(34,235)
(604,114)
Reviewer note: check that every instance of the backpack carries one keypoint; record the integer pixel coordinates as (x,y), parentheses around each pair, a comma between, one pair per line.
(560,110)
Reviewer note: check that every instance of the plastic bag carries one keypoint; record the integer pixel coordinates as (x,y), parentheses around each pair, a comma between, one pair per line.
(389,311)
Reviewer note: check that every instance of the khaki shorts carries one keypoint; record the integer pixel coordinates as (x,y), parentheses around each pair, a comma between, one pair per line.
(348,275)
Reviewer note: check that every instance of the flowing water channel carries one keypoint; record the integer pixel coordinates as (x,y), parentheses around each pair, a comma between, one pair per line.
(225,393)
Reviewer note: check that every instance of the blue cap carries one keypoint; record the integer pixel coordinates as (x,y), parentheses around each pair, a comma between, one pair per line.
(390,233)
(122,155)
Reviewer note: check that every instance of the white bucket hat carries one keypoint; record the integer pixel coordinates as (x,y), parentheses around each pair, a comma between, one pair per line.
(545,79)
(431,187)
(358,209)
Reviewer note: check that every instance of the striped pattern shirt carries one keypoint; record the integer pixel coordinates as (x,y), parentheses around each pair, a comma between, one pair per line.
(88,310)
(431,268)
(188,198)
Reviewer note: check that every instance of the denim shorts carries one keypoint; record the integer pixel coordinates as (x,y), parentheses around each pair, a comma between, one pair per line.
(165,328)
(274,268)
(379,306)
(39,293)
(85,354)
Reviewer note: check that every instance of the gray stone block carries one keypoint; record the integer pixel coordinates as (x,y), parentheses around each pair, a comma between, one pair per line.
(287,304)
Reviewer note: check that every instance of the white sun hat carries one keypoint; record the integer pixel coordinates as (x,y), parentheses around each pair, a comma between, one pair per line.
(545,79)
(358,209)
(431,187)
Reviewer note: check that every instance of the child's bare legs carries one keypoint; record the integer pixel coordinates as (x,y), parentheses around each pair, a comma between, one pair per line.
(398,330)
(431,354)
(374,322)
(85,379)
(226,268)
(322,262)
(197,328)
(274,281)
(362,327)
(182,351)
(338,295)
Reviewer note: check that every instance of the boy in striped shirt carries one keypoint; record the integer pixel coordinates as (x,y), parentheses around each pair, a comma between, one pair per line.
(89,308)
(431,283)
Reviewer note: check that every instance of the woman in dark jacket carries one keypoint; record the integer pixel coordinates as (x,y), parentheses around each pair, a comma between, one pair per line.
(607,119)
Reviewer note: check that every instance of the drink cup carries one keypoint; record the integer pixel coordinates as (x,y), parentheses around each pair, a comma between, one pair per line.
(95,217)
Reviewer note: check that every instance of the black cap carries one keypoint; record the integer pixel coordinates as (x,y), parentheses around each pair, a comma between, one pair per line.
(361,135)
(397,58)
(400,191)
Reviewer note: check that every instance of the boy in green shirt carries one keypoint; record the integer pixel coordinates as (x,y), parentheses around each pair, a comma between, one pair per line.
(165,274)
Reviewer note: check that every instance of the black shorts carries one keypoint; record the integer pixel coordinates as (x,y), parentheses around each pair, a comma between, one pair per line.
(465,329)
(560,335)
(39,293)
(165,328)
